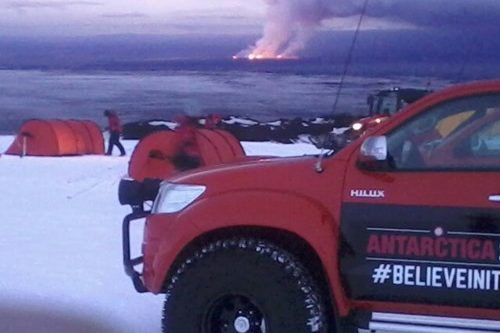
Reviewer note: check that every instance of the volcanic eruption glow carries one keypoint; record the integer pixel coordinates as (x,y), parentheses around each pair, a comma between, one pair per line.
(288,28)
(256,56)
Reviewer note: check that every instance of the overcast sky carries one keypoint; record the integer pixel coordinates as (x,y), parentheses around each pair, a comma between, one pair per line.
(88,17)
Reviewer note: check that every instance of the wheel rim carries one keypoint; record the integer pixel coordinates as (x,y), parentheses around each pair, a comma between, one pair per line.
(235,314)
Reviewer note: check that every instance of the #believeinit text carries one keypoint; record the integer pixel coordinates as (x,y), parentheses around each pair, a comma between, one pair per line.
(437,277)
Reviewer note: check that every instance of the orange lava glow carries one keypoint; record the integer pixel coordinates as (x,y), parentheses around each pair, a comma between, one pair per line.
(256,56)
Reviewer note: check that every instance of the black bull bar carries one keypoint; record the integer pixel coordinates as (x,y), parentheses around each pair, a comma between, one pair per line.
(129,263)
(135,193)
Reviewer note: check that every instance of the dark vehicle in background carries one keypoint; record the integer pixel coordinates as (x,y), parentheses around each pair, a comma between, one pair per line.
(382,105)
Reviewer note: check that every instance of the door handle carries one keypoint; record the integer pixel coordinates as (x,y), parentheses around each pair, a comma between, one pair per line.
(494,198)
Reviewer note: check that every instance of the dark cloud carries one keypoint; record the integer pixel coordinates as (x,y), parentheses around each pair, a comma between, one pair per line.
(439,13)
(422,13)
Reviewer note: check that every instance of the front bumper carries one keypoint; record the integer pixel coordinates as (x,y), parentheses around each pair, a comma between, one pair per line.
(130,263)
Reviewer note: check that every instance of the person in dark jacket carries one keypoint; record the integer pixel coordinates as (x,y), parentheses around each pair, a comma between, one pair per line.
(115,130)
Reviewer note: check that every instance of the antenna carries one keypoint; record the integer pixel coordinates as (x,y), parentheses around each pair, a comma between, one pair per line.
(319,163)
(349,55)
(466,59)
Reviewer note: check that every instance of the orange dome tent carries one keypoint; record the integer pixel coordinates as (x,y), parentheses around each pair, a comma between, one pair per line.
(96,137)
(152,157)
(234,144)
(207,144)
(84,142)
(56,138)
(65,138)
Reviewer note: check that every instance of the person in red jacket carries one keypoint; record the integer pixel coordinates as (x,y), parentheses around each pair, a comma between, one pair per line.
(115,130)
(187,155)
(213,121)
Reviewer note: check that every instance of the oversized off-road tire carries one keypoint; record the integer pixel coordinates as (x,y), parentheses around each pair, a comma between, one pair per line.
(243,286)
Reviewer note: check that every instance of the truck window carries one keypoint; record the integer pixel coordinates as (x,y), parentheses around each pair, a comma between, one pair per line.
(461,134)
(486,142)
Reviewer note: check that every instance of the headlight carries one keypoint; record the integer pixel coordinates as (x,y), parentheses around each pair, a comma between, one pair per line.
(173,197)
(357,126)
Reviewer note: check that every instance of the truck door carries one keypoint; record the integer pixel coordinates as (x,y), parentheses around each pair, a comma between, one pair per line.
(423,225)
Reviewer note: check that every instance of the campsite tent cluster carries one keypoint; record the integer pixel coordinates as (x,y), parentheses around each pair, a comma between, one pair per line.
(152,156)
(57,138)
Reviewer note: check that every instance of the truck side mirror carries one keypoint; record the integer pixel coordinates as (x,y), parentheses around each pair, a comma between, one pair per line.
(373,153)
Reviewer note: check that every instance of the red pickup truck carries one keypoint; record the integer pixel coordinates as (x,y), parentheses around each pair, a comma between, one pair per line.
(397,232)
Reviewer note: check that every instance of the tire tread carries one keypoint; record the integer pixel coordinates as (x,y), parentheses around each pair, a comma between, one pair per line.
(292,266)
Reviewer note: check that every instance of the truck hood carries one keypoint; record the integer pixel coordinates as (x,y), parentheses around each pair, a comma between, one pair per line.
(275,174)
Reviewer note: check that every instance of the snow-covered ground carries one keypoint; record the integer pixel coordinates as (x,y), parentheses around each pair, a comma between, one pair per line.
(60,241)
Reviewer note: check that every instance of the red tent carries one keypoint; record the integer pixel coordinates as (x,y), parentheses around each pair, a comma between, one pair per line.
(84,142)
(96,136)
(152,157)
(57,138)
(233,142)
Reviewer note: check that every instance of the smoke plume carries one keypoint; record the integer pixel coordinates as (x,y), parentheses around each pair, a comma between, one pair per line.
(291,23)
